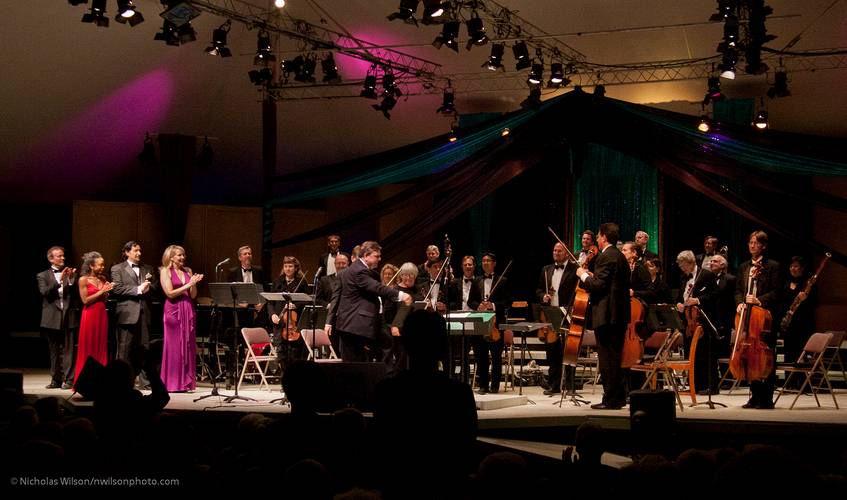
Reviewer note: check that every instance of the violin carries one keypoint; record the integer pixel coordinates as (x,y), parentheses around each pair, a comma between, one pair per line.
(494,334)
(289,330)
(752,358)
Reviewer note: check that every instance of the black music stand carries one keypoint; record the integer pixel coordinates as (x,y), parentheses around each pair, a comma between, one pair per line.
(311,316)
(239,293)
(523,327)
(295,298)
(712,332)
(221,297)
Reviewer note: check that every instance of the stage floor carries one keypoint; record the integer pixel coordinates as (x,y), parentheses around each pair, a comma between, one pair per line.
(533,409)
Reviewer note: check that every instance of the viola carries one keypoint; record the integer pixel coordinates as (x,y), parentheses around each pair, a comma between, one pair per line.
(752,358)
(692,320)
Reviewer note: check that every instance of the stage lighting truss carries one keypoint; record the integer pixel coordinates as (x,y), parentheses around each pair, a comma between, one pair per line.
(263,49)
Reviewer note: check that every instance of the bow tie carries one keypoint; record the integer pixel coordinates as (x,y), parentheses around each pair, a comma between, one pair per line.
(248,270)
(57,271)
(559,266)
(333,254)
(468,280)
(134,266)
(489,276)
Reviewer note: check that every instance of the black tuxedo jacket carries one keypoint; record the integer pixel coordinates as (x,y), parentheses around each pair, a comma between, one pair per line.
(235,275)
(358,301)
(322,264)
(129,303)
(705,288)
(502,297)
(325,287)
(725,302)
(639,278)
(768,284)
(454,293)
(609,289)
(53,316)
(567,285)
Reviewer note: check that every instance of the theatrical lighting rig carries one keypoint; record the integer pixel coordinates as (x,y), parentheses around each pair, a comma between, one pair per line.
(369,87)
(306,71)
(476,32)
(760,122)
(218,46)
(127,13)
(727,65)
(536,74)
(263,49)
(448,106)
(713,92)
(432,9)
(175,35)
(405,12)
(705,124)
(387,104)
(389,84)
(330,70)
(448,35)
(557,76)
(495,60)
(97,16)
(521,53)
(780,84)
(261,77)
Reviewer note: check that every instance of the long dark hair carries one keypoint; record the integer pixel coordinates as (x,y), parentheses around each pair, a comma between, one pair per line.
(87,260)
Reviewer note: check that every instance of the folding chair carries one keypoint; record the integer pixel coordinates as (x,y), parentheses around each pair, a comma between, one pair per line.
(727,374)
(833,352)
(255,337)
(811,364)
(588,358)
(321,340)
(660,364)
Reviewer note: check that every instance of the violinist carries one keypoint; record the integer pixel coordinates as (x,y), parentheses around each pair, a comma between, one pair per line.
(657,291)
(483,299)
(609,313)
(698,288)
(801,325)
(589,245)
(556,287)
(767,284)
(639,276)
(432,288)
(284,316)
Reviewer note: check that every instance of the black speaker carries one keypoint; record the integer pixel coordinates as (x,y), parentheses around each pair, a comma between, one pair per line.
(351,385)
(652,419)
(89,380)
(12,381)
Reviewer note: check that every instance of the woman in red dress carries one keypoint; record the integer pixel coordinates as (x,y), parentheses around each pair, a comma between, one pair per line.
(94,325)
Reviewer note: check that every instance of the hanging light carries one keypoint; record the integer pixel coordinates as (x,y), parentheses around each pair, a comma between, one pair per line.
(218,46)
(329,69)
(279,4)
(536,74)
(761,120)
(448,35)
(263,49)
(127,14)
(369,86)
(780,84)
(405,12)
(713,92)
(260,76)
(521,53)
(387,104)
(448,106)
(432,8)
(453,136)
(97,15)
(389,84)
(476,32)
(495,59)
(704,125)
(727,65)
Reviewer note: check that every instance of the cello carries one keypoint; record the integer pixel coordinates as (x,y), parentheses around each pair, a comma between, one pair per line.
(633,347)
(752,359)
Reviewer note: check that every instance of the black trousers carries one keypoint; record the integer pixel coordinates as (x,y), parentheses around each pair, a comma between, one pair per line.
(355,347)
(486,351)
(609,348)
(706,360)
(61,345)
(133,342)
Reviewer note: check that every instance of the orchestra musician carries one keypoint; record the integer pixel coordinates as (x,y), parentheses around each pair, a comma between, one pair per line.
(609,313)
(699,288)
(246,272)
(326,286)
(395,315)
(710,249)
(767,296)
(437,298)
(284,316)
(482,299)
(460,288)
(802,322)
(657,291)
(724,303)
(432,254)
(639,277)
(589,242)
(557,287)
(641,239)
(326,262)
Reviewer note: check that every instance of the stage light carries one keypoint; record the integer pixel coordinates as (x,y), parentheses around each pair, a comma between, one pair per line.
(263,49)
(495,59)
(726,8)
(713,92)
(387,104)
(389,84)
(704,125)
(780,85)
(476,32)
(97,16)
(432,8)
(127,14)
(448,35)
(306,71)
(453,136)
(369,87)
(289,66)
(727,65)
(260,76)
(329,69)
(448,106)
(168,34)
(535,74)
(534,99)
(505,132)
(521,53)
(557,74)
(218,46)
(406,12)
(179,13)
(761,120)
(279,4)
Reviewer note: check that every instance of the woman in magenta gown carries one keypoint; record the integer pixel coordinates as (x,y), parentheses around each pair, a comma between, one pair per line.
(180,349)
(94,325)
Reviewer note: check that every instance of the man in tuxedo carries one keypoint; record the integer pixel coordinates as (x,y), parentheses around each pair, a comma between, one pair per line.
(460,288)
(432,254)
(134,284)
(699,288)
(556,287)
(326,286)
(433,281)
(767,294)
(326,262)
(609,312)
(710,249)
(59,316)
(246,272)
(357,320)
(483,299)
(724,303)
(641,239)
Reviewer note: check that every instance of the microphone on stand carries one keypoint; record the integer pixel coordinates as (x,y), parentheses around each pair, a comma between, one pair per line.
(318,273)
(218,266)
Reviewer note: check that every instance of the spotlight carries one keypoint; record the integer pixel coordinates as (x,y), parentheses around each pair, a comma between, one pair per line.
(495,60)
(704,125)
(726,8)
(599,90)
(147,155)
(727,65)
(389,84)
(306,71)
(406,12)
(369,88)
(535,74)
(713,93)
(476,32)
(290,66)
(453,136)
(330,69)
(448,107)
(534,99)
(521,53)
(448,35)
(127,13)
(263,49)
(432,8)
(780,85)
(505,132)
(97,14)
(175,35)
(260,76)
(387,104)
(557,75)
(761,120)
(179,13)
(730,34)
(218,46)
(279,4)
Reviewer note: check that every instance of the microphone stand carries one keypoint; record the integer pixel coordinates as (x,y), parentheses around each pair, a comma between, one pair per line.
(712,333)
(445,286)
(312,316)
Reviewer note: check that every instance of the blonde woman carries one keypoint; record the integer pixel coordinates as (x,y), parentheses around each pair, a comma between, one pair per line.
(179,351)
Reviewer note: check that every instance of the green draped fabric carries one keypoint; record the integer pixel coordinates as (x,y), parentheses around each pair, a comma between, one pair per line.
(616,188)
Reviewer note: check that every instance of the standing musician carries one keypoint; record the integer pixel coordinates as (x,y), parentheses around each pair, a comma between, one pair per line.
(326,262)
(589,244)
(699,288)
(610,312)
(432,254)
(431,287)
(556,287)
(802,323)
(460,288)
(767,296)
(710,249)
(724,303)
(482,298)
(283,315)
(396,313)
(246,272)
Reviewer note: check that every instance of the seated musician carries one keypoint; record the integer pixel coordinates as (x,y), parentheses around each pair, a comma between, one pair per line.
(639,278)
(483,299)
(289,346)
(556,287)
(657,291)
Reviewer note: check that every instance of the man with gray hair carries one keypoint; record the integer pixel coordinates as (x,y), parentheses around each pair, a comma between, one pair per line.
(641,239)
(698,288)
(724,302)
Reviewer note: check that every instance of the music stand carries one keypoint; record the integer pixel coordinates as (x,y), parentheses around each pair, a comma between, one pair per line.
(239,293)
(713,331)
(296,298)
(316,316)
(221,297)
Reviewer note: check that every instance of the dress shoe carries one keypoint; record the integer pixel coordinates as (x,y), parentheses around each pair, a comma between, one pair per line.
(494,390)
(765,406)
(606,406)
(67,386)
(551,392)
(750,404)
(482,391)
(53,385)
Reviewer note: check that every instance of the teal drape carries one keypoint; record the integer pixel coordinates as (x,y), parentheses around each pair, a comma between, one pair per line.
(616,188)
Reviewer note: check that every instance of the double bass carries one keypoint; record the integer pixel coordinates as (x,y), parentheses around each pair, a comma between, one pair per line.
(752,358)
(633,347)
